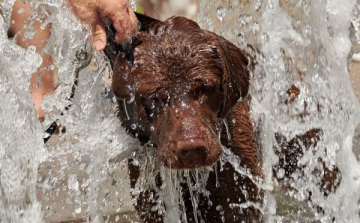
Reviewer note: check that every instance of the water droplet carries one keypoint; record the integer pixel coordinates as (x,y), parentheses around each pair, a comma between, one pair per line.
(297,24)
(20,11)
(38,80)
(255,27)
(201,100)
(257,5)
(153,105)
(270,6)
(78,210)
(183,104)
(51,67)
(135,162)
(133,126)
(73,183)
(264,38)
(244,19)
(220,13)
(132,98)
(31,49)
(281,173)
(307,29)
(152,128)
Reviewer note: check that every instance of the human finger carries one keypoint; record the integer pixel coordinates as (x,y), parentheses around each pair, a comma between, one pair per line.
(121,16)
(99,34)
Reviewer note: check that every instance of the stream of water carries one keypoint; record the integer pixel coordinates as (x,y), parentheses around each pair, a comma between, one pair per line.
(306,44)
(81,174)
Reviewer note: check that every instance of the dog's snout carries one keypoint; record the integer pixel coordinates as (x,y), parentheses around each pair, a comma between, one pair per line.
(192,153)
(192,150)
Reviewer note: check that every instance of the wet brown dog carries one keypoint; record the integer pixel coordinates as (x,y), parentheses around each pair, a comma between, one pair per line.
(176,87)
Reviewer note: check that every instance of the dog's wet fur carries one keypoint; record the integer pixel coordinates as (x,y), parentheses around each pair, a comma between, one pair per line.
(176,86)
(183,82)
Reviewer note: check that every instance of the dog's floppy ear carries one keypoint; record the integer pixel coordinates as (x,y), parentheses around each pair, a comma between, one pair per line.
(236,74)
(145,21)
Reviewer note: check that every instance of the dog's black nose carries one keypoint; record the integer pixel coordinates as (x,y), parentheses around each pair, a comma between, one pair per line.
(192,152)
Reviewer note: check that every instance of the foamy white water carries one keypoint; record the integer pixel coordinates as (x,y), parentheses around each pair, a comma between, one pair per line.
(305,43)
(86,158)
(21,147)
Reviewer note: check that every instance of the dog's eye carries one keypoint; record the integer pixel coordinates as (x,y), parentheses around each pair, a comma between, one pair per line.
(162,97)
(153,107)
(200,89)
(207,93)
(147,106)
(208,87)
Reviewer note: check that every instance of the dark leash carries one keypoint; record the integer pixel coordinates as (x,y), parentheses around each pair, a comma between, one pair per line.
(83,57)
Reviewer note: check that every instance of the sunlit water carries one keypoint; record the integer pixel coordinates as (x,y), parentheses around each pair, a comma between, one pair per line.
(306,44)
(295,42)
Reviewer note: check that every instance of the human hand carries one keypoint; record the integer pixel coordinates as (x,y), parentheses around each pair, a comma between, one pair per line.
(118,11)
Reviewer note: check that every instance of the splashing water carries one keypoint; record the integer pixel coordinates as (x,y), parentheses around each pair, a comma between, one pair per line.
(74,176)
(295,42)
(305,44)
(21,147)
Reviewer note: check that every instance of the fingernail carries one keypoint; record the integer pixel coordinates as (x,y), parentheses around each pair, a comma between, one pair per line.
(99,44)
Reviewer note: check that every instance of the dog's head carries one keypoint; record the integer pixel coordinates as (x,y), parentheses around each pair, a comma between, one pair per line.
(176,85)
